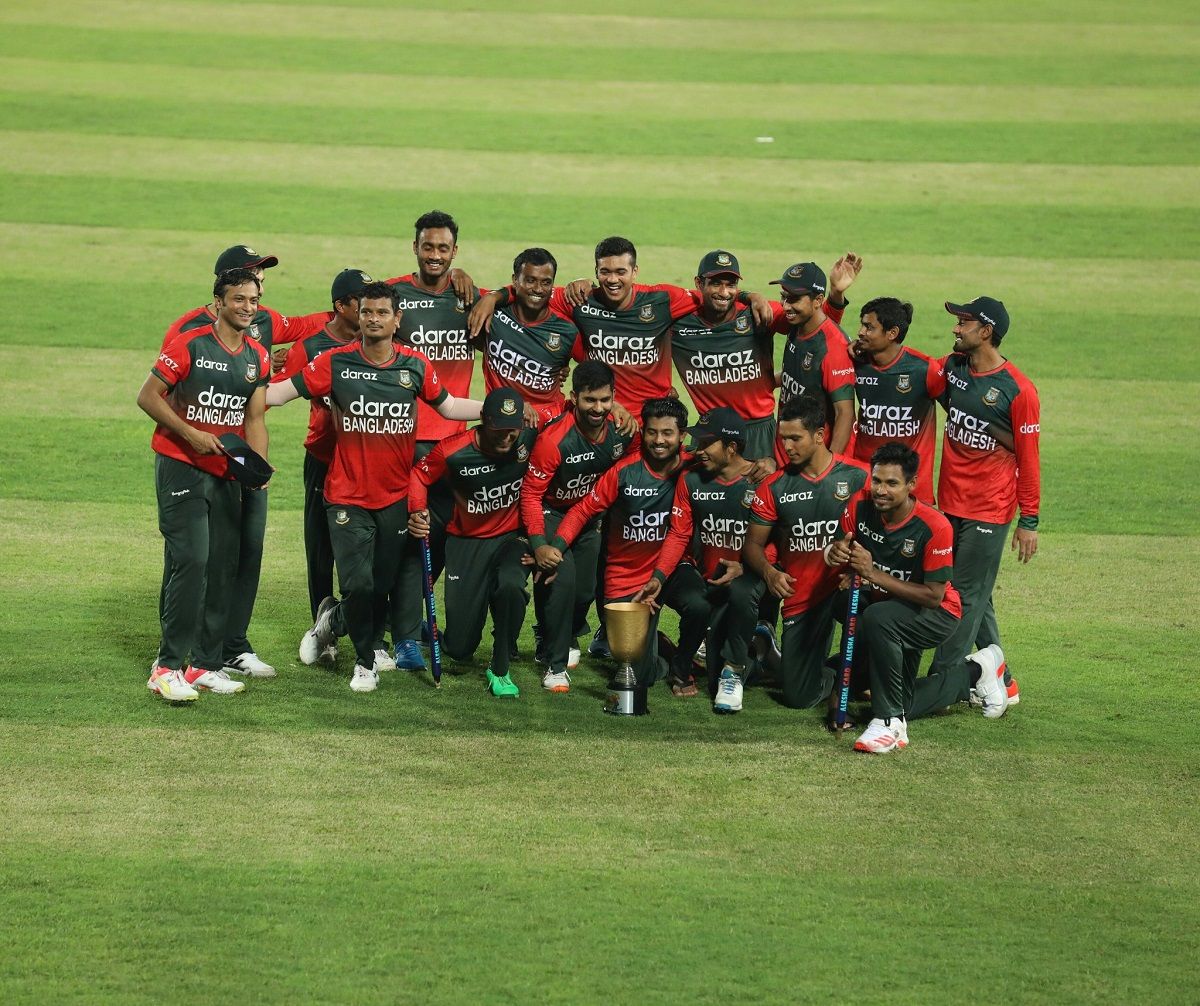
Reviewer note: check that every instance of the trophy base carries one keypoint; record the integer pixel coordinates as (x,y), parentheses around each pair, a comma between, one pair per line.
(625,701)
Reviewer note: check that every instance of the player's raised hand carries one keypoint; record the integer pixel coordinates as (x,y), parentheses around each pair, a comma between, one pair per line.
(464,287)
(480,318)
(649,592)
(844,272)
(1025,542)
(578,291)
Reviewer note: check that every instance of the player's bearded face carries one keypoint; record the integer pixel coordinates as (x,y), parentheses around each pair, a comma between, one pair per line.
(533,286)
(593,405)
(377,319)
(662,438)
(889,488)
(719,293)
(494,441)
(615,275)
(713,454)
(968,335)
(435,249)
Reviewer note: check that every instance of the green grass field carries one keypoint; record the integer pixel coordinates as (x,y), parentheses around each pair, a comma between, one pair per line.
(299,843)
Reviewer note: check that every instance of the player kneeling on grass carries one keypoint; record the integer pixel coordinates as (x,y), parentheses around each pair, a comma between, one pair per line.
(902,550)
(372,386)
(485,550)
(208,382)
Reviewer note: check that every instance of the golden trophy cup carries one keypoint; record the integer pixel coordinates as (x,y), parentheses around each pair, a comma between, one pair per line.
(627,624)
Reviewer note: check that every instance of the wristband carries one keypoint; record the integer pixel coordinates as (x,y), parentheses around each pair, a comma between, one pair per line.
(1029,523)
(537,541)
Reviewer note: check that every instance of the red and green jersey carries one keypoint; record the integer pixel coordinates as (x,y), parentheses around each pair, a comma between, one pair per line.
(803,513)
(486,489)
(374,408)
(896,403)
(435,324)
(638,503)
(270,328)
(563,469)
(990,459)
(321,439)
(729,364)
(709,520)
(530,359)
(208,387)
(633,340)
(818,364)
(920,549)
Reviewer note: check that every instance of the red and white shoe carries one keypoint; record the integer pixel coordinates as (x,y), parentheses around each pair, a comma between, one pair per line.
(171,685)
(990,690)
(217,682)
(882,736)
(1014,693)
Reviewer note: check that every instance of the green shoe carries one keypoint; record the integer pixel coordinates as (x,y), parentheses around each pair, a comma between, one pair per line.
(502,687)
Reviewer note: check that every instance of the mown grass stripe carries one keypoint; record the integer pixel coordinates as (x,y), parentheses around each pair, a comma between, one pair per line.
(807,101)
(544,173)
(1003,230)
(555,30)
(640,63)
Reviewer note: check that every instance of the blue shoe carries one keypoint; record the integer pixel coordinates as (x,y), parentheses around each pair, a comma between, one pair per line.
(766,647)
(599,645)
(408,656)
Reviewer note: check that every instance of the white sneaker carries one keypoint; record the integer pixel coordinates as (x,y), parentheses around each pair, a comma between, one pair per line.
(315,640)
(365,679)
(559,681)
(249,664)
(701,657)
(729,692)
(172,686)
(573,655)
(219,683)
(990,688)
(882,736)
(383,661)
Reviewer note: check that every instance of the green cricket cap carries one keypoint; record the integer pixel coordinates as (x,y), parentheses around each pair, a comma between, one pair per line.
(803,277)
(242,257)
(719,263)
(986,309)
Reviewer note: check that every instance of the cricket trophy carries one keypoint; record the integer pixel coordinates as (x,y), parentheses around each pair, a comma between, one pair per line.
(627,624)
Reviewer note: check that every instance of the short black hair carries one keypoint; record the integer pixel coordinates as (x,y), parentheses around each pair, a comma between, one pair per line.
(890,313)
(807,410)
(234,277)
(534,256)
(896,453)
(616,246)
(433,220)
(665,408)
(592,374)
(380,291)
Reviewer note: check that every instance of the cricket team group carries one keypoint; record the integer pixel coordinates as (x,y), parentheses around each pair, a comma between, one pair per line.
(798,498)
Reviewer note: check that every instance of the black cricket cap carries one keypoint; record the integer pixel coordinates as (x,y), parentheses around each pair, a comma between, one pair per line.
(721,423)
(242,257)
(503,409)
(244,463)
(986,309)
(803,277)
(349,283)
(719,263)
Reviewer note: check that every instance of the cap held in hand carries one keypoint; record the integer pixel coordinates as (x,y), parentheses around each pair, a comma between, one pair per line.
(244,463)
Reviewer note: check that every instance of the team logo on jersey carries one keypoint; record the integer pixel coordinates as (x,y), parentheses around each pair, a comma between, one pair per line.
(992,396)
(618,450)
(808,361)
(647,312)
(842,490)
(742,325)
(341,517)
(554,342)
(522,452)
(903,383)
(748,497)
(405,379)
(508,407)
(252,331)
(909,548)
(252,372)
(459,306)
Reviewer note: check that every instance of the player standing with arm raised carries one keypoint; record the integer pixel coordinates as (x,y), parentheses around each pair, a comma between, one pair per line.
(372,386)
(208,381)
(990,467)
